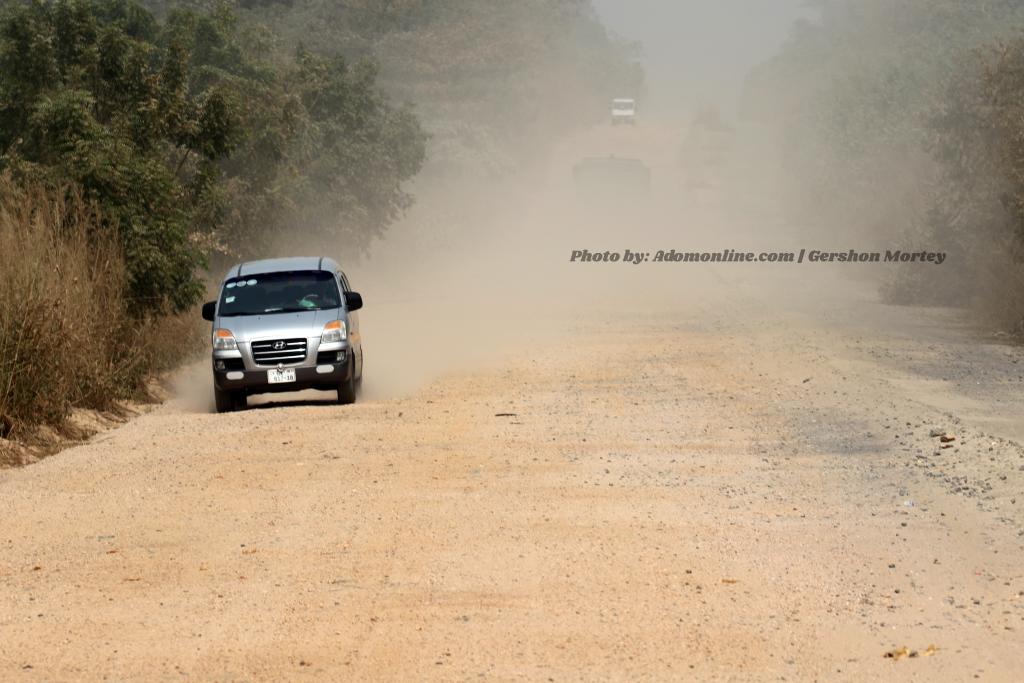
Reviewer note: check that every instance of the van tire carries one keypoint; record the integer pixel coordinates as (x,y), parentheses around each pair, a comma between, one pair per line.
(359,379)
(229,401)
(347,389)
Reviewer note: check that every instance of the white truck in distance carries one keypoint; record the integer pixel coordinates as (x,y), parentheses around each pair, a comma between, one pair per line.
(623,112)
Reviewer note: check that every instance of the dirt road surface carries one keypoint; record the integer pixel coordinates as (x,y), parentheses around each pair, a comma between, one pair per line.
(709,492)
(558,472)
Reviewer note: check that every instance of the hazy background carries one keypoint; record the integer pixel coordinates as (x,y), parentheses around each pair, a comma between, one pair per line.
(698,52)
(870,125)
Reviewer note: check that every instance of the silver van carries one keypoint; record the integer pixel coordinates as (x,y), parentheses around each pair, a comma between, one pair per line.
(285,325)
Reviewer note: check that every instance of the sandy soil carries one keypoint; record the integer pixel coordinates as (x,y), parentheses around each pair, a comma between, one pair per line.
(625,473)
(709,492)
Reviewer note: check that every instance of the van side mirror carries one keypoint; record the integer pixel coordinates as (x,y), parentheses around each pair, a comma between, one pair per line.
(353,301)
(209,310)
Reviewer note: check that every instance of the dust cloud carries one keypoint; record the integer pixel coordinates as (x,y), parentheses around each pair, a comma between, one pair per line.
(480,267)
(483,269)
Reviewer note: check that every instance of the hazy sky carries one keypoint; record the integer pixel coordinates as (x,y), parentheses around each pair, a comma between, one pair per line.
(698,51)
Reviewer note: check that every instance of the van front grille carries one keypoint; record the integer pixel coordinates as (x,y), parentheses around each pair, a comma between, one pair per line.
(279,352)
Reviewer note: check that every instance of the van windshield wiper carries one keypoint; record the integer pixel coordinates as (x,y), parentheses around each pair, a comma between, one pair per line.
(270,311)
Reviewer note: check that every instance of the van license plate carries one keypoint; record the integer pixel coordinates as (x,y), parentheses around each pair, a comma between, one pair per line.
(280,376)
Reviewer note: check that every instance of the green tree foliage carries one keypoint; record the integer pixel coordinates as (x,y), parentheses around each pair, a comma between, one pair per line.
(82,99)
(193,138)
(502,80)
(899,123)
(325,157)
(852,95)
(976,135)
(493,81)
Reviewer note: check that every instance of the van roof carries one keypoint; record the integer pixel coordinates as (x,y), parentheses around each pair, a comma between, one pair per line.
(277,265)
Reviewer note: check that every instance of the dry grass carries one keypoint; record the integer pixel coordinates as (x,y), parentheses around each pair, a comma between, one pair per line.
(68,335)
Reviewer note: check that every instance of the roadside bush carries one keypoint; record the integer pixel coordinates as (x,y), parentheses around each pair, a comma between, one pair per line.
(901,124)
(496,83)
(195,140)
(88,98)
(68,335)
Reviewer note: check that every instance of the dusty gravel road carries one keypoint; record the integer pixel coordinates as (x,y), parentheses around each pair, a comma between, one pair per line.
(708,493)
(723,476)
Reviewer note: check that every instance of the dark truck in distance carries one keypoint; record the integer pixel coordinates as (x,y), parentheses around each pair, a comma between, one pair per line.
(285,325)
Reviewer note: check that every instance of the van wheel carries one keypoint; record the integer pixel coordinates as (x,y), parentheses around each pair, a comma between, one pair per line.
(347,389)
(229,401)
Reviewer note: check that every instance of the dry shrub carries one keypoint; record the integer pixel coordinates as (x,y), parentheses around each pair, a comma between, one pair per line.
(1001,292)
(68,335)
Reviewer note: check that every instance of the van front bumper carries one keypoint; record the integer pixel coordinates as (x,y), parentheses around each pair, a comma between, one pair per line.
(323,376)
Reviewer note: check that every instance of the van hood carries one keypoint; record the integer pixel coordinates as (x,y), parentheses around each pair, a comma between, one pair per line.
(248,328)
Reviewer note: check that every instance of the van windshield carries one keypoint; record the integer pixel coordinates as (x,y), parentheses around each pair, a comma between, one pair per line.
(269,293)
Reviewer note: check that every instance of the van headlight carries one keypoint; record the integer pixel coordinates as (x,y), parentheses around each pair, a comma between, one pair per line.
(224,340)
(334,331)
